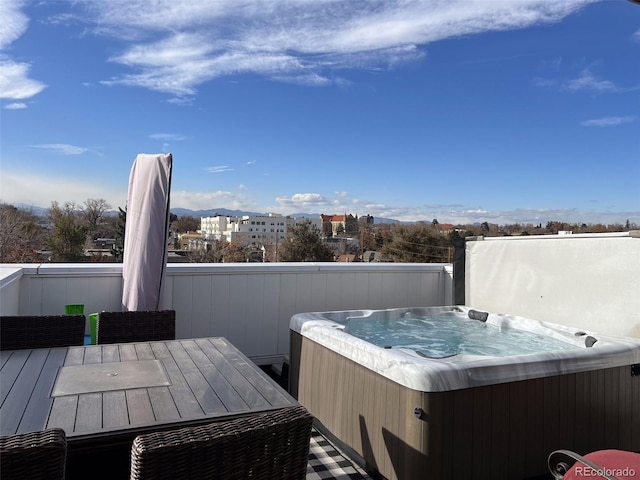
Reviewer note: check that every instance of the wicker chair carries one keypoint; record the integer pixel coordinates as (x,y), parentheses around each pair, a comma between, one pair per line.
(122,327)
(34,456)
(273,445)
(41,331)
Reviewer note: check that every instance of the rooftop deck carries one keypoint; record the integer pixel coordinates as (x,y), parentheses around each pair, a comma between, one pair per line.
(586,281)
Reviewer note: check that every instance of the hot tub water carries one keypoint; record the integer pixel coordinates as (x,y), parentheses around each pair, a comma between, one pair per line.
(451,333)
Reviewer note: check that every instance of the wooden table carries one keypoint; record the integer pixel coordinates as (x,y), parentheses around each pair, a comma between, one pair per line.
(105,395)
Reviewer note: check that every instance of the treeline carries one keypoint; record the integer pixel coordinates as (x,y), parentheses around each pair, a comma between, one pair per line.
(62,235)
(69,233)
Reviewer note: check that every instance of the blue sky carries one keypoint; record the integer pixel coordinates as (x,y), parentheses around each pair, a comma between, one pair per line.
(466,111)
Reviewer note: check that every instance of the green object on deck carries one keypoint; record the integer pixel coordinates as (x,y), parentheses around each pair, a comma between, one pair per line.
(93,324)
(74,309)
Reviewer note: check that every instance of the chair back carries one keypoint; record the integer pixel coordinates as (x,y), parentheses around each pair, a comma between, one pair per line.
(144,326)
(41,331)
(263,446)
(34,456)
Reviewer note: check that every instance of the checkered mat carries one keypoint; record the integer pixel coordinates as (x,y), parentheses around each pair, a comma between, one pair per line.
(327,462)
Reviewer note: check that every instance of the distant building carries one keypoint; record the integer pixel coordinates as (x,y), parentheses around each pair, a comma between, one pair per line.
(366,220)
(315,221)
(371,256)
(192,241)
(347,257)
(102,243)
(334,225)
(257,230)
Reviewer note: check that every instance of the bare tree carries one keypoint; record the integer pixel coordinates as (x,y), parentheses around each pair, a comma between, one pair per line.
(69,233)
(236,251)
(416,243)
(21,235)
(93,214)
(214,253)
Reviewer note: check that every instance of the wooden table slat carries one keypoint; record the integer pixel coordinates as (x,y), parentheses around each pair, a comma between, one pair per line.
(13,405)
(249,393)
(128,352)
(37,411)
(110,353)
(207,398)
(139,405)
(92,354)
(10,372)
(144,351)
(114,407)
(4,356)
(163,405)
(186,402)
(75,356)
(63,413)
(89,414)
(231,399)
(245,366)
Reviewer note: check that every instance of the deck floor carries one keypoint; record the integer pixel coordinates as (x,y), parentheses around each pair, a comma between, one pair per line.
(326,462)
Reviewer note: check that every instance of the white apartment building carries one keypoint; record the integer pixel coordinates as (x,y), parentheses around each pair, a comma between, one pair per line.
(316,221)
(257,230)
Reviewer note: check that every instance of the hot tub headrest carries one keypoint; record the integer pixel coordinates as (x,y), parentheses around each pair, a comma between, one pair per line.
(476,315)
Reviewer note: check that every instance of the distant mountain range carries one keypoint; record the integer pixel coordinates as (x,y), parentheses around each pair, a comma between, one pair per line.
(224,212)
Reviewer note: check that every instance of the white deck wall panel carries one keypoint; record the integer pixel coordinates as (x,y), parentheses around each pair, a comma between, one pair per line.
(10,278)
(46,289)
(374,294)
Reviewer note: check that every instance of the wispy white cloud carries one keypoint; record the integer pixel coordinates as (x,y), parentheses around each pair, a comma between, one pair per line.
(607,121)
(63,148)
(208,200)
(180,101)
(15,106)
(219,169)
(14,22)
(174,47)
(587,81)
(636,36)
(15,83)
(168,137)
(309,80)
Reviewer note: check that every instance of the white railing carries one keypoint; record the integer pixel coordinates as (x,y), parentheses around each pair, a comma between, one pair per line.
(250,304)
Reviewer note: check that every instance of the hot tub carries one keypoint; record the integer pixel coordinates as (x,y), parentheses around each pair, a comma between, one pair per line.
(462,410)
